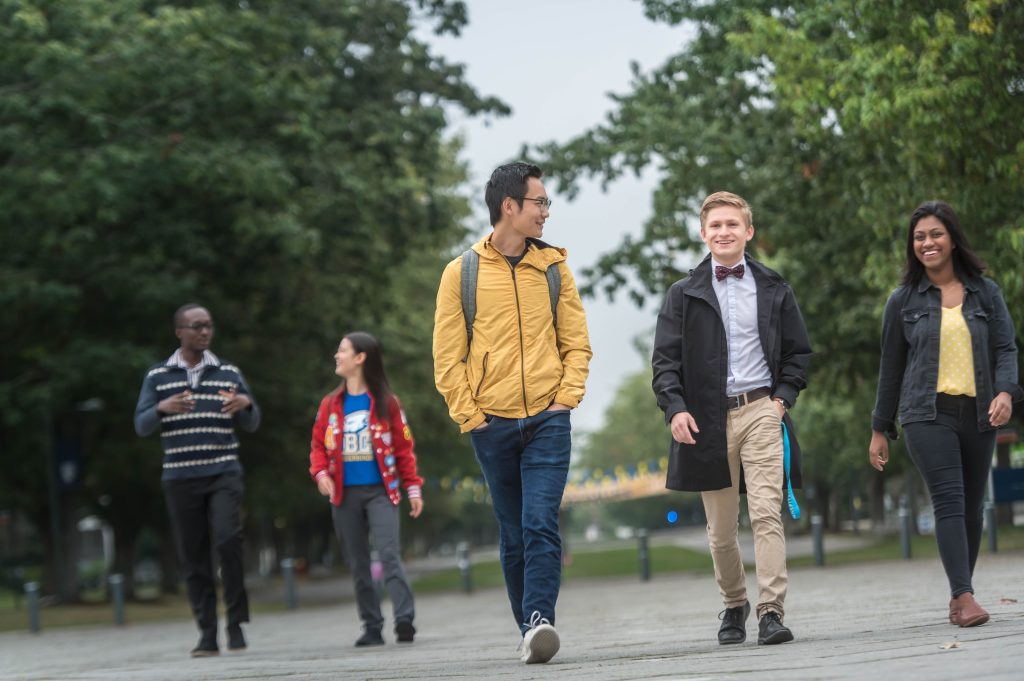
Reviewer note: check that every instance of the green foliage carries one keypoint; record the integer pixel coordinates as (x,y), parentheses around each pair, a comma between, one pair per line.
(633,435)
(834,120)
(283,163)
(634,428)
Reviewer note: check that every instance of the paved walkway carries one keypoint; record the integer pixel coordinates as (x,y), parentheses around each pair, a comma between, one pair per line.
(877,622)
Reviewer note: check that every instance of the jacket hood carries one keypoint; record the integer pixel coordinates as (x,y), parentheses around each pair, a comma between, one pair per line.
(539,254)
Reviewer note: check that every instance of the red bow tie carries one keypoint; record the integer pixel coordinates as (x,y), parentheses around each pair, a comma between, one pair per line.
(721,272)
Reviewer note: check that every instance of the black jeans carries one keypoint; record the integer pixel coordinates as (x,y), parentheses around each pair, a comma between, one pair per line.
(954,459)
(197,506)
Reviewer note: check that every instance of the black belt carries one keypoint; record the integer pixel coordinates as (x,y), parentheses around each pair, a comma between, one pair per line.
(737,401)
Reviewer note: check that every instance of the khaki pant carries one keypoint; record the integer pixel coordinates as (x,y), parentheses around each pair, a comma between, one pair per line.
(754,438)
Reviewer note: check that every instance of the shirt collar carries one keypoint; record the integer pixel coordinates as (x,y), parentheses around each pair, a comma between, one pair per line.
(926,283)
(176,360)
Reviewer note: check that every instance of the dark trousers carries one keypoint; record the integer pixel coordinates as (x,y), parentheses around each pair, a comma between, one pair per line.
(525,463)
(201,510)
(366,510)
(954,458)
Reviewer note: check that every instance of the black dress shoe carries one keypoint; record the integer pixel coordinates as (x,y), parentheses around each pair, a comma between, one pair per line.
(236,639)
(404,631)
(370,637)
(770,630)
(733,629)
(207,647)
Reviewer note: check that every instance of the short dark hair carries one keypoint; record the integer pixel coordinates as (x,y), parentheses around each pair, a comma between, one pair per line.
(508,180)
(966,264)
(179,314)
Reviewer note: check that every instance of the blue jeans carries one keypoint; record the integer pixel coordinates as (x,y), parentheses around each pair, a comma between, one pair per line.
(525,463)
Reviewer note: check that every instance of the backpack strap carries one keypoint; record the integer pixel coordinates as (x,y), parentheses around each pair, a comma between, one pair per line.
(467,291)
(470,266)
(554,276)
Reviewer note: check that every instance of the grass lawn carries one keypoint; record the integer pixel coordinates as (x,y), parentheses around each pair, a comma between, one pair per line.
(1011,539)
(14,616)
(615,562)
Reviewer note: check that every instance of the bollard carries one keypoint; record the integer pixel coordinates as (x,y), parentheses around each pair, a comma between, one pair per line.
(991,522)
(288,570)
(117,597)
(462,562)
(645,556)
(32,601)
(905,532)
(818,532)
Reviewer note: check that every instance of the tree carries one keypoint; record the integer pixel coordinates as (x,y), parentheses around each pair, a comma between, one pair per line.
(283,163)
(834,119)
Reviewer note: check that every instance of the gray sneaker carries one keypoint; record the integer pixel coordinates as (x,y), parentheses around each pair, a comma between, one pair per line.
(540,642)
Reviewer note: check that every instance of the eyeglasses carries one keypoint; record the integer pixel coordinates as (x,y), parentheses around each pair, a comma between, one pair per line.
(541,201)
(197,326)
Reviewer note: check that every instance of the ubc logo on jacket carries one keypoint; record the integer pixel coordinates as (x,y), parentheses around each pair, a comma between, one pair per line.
(390,445)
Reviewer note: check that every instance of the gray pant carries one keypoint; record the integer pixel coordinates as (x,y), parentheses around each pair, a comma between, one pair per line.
(365,509)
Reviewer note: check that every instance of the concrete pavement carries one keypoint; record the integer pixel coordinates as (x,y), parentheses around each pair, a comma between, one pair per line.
(878,621)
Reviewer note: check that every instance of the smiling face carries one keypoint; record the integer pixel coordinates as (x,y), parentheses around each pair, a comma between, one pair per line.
(726,233)
(932,244)
(347,362)
(528,220)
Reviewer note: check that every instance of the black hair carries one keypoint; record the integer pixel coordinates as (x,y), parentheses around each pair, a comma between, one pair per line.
(508,180)
(966,265)
(179,314)
(373,370)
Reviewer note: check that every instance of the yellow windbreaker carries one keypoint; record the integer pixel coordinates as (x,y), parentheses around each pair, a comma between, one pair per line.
(516,368)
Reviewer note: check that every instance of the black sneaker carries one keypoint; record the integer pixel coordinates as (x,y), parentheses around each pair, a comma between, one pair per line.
(404,631)
(370,637)
(207,647)
(236,639)
(733,629)
(770,630)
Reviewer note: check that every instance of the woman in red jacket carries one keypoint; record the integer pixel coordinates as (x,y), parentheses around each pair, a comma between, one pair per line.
(361,453)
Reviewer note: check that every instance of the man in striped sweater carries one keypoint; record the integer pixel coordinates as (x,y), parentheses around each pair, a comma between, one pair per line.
(196,400)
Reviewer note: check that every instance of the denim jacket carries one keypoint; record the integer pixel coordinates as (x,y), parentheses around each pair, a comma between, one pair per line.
(909,368)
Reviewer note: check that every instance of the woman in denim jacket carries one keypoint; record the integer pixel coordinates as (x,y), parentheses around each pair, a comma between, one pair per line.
(949,362)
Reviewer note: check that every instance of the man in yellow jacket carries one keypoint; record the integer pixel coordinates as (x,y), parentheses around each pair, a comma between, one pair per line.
(510,381)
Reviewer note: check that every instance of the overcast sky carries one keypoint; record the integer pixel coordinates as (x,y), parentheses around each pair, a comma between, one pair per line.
(554,63)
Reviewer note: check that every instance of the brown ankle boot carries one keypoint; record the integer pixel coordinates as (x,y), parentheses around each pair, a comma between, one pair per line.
(954,611)
(971,614)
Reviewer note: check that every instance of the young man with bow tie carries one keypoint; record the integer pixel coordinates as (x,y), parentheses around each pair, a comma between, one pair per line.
(730,357)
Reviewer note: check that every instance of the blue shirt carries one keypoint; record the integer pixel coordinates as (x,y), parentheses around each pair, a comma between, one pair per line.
(357,447)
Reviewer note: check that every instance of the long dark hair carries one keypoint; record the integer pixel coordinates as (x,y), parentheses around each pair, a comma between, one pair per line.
(373,370)
(966,264)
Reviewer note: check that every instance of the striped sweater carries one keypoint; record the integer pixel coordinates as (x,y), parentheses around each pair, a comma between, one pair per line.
(202,442)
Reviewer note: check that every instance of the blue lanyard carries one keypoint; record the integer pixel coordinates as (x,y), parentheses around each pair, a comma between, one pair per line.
(794,508)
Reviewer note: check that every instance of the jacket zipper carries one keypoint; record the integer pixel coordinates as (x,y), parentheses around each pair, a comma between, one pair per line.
(522,350)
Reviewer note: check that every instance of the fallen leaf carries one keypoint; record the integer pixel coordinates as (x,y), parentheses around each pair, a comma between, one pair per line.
(1007,601)
(950,644)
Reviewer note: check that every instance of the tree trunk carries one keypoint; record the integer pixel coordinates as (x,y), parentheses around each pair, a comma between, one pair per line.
(878,502)
(124,558)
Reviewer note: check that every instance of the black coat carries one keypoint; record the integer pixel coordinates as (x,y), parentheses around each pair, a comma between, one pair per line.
(691,367)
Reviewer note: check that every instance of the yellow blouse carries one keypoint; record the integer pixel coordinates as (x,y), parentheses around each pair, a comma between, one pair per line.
(956,362)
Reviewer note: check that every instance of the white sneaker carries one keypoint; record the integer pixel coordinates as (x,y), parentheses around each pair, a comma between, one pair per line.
(540,642)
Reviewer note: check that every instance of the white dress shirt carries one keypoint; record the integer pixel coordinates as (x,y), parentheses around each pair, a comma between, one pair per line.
(737,299)
(178,360)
